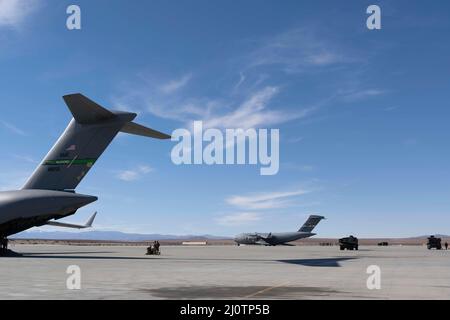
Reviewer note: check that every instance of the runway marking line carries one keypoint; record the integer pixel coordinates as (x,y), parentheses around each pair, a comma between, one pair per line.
(266,289)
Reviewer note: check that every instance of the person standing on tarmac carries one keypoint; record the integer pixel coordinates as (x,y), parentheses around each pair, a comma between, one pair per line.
(446,245)
(4,245)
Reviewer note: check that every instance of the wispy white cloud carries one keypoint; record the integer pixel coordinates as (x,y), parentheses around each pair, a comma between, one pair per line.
(253,113)
(357,95)
(149,97)
(251,101)
(145,169)
(295,139)
(12,128)
(176,84)
(238,219)
(256,206)
(128,175)
(240,82)
(260,201)
(391,108)
(134,174)
(14,12)
(25,158)
(298,50)
(307,168)
(324,59)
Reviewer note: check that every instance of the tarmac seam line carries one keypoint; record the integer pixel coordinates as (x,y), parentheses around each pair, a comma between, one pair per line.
(266,289)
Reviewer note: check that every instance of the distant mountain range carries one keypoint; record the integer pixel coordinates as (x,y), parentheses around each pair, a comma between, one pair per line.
(107,235)
(123,236)
(436,235)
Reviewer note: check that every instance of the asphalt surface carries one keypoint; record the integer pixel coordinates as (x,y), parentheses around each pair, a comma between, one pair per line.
(224,272)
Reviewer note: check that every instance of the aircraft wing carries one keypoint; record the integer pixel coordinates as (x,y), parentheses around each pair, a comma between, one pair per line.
(74,226)
(263,238)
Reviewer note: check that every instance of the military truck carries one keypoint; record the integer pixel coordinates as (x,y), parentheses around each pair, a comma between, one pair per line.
(349,243)
(434,243)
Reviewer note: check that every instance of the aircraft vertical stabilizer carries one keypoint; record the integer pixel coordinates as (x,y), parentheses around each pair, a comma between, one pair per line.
(311,223)
(88,135)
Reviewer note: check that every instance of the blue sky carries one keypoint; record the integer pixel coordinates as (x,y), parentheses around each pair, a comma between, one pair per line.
(363,115)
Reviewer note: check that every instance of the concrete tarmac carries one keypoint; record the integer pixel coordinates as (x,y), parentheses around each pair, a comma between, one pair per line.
(225,272)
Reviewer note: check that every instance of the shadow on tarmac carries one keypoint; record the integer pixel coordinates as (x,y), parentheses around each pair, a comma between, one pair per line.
(243,292)
(85,255)
(325,262)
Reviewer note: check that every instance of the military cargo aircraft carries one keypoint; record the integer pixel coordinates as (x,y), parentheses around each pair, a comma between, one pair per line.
(274,239)
(49,194)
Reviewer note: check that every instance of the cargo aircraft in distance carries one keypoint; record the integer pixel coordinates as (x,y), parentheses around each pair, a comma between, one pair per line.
(282,238)
(49,194)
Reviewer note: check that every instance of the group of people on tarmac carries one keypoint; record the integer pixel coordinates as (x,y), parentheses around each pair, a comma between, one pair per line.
(154,248)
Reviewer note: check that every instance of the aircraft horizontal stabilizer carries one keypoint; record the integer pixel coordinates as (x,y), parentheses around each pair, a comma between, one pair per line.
(86,111)
(73,226)
(137,129)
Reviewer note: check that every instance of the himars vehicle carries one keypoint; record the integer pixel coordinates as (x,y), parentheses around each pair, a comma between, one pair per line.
(49,194)
(434,243)
(349,243)
(273,239)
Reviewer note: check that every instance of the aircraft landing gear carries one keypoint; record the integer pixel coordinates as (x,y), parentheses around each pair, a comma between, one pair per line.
(4,246)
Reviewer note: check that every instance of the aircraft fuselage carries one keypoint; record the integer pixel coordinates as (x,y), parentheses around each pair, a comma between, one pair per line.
(270,239)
